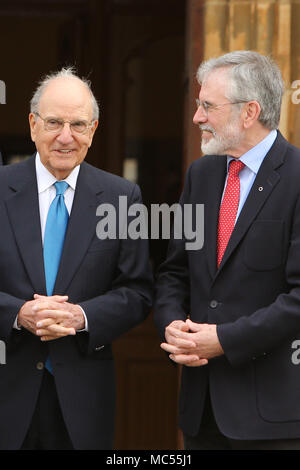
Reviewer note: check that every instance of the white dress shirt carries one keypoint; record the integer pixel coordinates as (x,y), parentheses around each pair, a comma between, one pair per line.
(47,191)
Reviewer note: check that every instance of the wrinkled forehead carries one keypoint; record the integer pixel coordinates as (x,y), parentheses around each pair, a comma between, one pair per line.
(66,97)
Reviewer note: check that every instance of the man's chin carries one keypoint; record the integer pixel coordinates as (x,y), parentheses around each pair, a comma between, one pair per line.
(212,148)
(219,147)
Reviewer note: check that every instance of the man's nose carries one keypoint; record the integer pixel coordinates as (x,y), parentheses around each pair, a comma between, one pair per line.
(65,136)
(199,116)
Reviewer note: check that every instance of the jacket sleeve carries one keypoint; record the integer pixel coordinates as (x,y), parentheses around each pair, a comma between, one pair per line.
(9,309)
(172,299)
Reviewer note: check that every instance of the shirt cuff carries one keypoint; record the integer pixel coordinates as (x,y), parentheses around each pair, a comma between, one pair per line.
(86,327)
(15,325)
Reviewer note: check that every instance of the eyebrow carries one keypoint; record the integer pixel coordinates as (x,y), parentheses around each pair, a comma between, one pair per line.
(208,102)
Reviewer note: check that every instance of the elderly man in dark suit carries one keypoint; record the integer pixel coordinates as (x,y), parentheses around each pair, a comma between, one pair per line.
(230,312)
(65,293)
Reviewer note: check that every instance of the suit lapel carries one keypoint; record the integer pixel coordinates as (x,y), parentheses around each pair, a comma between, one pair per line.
(265,181)
(23,212)
(81,227)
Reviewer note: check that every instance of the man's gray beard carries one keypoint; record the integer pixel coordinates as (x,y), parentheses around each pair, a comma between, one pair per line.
(212,147)
(219,145)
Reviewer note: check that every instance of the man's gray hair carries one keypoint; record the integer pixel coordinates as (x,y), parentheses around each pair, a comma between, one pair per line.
(65,72)
(252,77)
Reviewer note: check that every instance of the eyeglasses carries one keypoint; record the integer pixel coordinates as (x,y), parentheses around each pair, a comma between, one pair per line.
(206,107)
(57,125)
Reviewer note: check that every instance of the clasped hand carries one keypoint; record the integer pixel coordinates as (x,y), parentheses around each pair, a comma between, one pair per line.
(191,344)
(51,317)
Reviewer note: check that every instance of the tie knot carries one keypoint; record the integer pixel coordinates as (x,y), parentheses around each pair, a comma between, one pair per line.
(61,187)
(235,167)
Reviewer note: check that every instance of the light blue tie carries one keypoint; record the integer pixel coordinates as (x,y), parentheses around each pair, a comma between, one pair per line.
(56,226)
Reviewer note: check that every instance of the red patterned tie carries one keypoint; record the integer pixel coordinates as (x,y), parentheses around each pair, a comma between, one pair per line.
(229,207)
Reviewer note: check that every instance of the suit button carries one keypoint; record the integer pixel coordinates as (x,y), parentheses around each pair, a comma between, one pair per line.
(40,365)
(213,304)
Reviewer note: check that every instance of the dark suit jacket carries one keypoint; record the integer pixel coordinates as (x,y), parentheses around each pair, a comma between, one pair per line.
(254,298)
(111,281)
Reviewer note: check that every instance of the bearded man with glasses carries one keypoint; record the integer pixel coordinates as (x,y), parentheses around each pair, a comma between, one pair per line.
(229,313)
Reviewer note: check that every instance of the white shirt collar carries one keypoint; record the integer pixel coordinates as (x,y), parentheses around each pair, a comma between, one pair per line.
(45,179)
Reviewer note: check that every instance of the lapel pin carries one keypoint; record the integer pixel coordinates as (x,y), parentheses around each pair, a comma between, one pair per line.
(260,188)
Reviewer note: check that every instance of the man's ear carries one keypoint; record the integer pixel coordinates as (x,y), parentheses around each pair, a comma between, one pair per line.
(92,131)
(32,124)
(250,113)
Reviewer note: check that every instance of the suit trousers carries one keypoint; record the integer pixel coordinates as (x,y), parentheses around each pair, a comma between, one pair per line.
(47,430)
(210,437)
